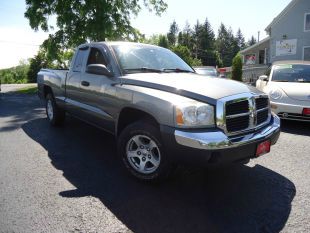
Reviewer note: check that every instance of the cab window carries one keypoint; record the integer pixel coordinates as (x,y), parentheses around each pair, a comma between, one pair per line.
(96,57)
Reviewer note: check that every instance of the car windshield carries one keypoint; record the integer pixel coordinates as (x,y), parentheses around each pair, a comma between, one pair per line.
(207,71)
(138,58)
(291,73)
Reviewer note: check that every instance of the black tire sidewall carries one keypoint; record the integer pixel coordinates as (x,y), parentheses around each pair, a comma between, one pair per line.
(143,128)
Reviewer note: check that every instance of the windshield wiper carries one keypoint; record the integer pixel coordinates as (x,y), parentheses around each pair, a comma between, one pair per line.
(178,70)
(143,69)
(280,80)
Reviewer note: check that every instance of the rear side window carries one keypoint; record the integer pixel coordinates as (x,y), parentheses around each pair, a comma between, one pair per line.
(78,63)
(96,57)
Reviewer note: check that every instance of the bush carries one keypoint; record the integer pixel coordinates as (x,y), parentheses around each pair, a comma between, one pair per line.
(16,74)
(237,68)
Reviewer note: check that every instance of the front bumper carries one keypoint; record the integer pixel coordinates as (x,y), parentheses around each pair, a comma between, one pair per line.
(290,111)
(215,147)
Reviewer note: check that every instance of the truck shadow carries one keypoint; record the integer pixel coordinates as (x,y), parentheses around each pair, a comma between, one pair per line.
(295,127)
(237,199)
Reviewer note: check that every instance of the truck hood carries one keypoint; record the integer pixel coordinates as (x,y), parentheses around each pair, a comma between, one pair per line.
(294,90)
(214,88)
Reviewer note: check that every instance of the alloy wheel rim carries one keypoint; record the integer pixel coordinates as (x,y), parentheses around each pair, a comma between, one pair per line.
(50,112)
(143,154)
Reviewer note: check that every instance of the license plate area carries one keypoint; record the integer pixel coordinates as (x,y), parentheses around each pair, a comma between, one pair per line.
(263,148)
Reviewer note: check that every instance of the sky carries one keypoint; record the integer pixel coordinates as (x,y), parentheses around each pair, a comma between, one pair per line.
(18,41)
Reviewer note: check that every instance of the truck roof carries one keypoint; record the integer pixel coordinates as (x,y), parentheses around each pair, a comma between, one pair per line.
(116,43)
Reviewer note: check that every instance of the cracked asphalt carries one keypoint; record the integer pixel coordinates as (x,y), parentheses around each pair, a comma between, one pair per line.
(69,180)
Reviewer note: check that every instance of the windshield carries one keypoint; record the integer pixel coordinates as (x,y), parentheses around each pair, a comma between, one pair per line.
(138,58)
(291,73)
(207,71)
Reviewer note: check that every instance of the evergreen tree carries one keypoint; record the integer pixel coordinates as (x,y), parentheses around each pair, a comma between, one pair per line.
(172,34)
(187,36)
(226,45)
(162,41)
(240,40)
(252,41)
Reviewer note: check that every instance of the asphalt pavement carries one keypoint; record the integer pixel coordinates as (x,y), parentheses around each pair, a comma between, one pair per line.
(69,179)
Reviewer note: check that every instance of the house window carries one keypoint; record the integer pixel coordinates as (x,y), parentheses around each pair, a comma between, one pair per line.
(307,53)
(307,22)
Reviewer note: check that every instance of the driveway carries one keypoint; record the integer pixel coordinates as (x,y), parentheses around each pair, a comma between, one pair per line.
(70,180)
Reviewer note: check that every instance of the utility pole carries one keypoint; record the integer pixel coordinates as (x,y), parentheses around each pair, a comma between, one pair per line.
(258,36)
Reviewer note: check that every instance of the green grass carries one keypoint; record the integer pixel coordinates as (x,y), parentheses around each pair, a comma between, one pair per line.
(28,90)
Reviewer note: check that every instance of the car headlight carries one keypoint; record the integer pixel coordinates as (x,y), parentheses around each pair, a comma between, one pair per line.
(275,94)
(194,114)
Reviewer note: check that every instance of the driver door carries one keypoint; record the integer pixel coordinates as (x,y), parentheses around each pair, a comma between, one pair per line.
(96,91)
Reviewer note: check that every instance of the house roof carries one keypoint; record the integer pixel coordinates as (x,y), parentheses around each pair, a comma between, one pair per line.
(255,45)
(283,13)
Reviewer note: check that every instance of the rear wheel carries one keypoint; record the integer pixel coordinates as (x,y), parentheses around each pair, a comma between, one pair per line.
(55,115)
(142,152)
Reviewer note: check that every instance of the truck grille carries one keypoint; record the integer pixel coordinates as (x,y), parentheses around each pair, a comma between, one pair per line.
(237,117)
(246,113)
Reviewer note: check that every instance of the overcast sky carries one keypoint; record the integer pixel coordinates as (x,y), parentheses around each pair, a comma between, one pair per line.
(18,41)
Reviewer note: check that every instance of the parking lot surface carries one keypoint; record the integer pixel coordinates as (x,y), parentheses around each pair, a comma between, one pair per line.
(69,179)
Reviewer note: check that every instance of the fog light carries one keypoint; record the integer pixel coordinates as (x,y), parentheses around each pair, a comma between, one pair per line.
(306,111)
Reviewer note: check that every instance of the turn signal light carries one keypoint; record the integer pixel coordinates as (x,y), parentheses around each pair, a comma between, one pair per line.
(306,111)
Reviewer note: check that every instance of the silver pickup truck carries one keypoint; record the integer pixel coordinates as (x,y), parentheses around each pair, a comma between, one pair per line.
(161,112)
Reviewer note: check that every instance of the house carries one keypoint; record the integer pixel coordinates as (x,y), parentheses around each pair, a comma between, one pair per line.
(288,37)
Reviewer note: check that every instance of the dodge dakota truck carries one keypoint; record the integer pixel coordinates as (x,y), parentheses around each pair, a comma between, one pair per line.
(161,112)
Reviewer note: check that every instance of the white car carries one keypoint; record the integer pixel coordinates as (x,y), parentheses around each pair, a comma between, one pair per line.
(288,85)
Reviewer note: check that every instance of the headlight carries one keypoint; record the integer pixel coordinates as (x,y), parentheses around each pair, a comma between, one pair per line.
(194,114)
(275,94)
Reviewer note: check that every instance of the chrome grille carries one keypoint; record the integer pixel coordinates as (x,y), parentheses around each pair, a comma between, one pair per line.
(242,113)
(237,117)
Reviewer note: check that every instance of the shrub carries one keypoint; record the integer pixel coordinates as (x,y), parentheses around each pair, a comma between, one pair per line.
(237,68)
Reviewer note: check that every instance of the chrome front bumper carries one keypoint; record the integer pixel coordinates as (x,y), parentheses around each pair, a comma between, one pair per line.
(218,140)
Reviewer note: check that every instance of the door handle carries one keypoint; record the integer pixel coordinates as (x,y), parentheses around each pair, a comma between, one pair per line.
(85,83)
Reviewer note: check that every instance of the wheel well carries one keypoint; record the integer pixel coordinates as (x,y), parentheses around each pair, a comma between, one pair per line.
(47,90)
(130,115)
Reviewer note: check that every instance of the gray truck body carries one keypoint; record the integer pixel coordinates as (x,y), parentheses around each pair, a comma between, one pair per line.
(102,101)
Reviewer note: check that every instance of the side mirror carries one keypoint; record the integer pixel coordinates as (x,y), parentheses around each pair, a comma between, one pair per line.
(264,78)
(98,69)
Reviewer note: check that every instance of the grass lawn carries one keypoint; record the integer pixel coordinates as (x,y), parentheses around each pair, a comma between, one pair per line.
(28,90)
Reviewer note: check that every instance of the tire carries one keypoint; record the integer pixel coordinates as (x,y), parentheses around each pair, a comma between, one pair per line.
(142,153)
(55,115)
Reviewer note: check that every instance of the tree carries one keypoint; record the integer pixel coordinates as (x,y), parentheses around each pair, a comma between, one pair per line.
(36,64)
(222,44)
(172,34)
(206,36)
(187,37)
(240,40)
(252,41)
(163,42)
(204,43)
(185,54)
(90,20)
(226,45)
(237,68)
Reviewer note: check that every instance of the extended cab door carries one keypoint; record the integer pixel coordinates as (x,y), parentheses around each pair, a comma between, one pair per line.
(73,80)
(98,91)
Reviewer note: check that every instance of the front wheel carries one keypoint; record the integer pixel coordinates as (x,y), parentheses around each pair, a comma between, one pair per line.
(142,152)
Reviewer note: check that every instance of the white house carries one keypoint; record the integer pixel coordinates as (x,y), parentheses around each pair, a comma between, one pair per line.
(289,37)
